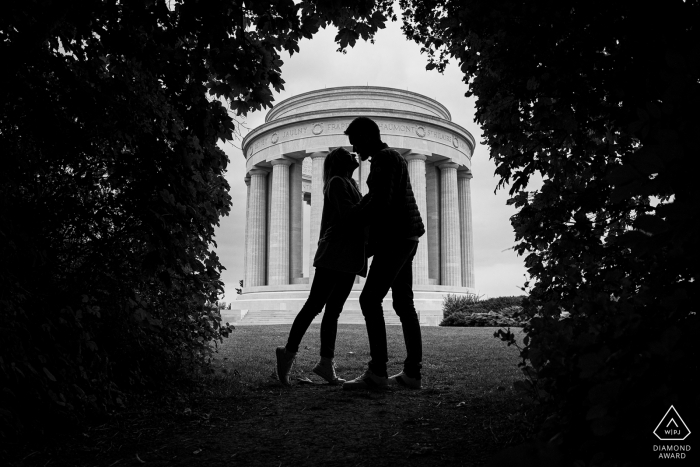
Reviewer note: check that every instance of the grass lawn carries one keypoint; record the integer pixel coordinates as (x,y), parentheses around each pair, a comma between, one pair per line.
(470,358)
(465,413)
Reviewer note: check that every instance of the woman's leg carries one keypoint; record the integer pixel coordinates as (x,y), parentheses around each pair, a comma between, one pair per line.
(321,288)
(334,306)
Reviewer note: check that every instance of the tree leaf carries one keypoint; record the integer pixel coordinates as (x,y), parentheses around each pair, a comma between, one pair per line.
(49,375)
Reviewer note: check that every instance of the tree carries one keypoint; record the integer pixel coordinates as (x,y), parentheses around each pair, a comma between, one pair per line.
(600,99)
(113,183)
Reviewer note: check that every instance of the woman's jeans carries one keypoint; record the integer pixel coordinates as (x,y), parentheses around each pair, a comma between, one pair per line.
(330,288)
(392,268)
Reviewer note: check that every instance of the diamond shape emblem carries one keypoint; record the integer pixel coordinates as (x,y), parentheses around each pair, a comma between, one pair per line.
(672,427)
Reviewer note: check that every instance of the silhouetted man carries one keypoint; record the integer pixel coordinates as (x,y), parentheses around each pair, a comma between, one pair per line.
(391,212)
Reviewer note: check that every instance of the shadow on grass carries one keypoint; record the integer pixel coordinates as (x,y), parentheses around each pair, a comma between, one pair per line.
(466,412)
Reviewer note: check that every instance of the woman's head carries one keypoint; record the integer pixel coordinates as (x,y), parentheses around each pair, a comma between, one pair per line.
(338,162)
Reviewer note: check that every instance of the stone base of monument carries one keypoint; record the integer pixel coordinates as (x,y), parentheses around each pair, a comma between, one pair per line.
(280,304)
(233,316)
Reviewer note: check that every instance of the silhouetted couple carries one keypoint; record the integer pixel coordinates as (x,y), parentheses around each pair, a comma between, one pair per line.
(389,215)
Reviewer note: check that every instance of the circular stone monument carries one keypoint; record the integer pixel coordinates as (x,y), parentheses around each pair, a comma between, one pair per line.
(284,164)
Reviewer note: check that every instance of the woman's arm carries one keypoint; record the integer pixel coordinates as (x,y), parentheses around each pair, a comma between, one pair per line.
(343,198)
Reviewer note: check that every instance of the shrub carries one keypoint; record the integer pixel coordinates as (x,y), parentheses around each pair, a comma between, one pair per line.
(499,303)
(511,311)
(470,311)
(480,319)
(452,303)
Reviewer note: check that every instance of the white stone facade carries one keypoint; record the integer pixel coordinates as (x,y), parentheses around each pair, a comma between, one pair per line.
(284,162)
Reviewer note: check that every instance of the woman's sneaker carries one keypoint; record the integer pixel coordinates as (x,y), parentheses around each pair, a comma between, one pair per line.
(367,381)
(326,370)
(406,381)
(285,361)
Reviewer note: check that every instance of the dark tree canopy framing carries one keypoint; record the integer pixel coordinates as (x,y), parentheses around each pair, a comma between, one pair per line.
(600,99)
(112,184)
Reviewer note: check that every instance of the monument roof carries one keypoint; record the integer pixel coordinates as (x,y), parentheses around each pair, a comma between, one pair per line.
(308,122)
(354,97)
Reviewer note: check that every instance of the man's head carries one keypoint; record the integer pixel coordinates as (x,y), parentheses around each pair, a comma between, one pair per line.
(364,136)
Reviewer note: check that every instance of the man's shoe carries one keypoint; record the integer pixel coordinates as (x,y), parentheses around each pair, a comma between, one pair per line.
(326,370)
(285,361)
(406,381)
(367,381)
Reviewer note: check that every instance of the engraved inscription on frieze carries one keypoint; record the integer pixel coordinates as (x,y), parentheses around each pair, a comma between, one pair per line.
(293,133)
(339,127)
(438,135)
(418,130)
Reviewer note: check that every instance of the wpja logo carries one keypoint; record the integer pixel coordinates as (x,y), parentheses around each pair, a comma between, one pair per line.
(672,428)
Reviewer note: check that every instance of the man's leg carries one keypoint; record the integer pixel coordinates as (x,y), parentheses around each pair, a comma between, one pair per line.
(377,285)
(402,295)
(387,263)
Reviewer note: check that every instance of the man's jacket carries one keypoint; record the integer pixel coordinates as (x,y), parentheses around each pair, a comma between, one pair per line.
(389,208)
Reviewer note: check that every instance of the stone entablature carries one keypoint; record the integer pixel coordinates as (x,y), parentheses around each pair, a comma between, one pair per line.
(400,130)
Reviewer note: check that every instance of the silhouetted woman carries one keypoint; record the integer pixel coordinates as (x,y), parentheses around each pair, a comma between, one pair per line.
(340,256)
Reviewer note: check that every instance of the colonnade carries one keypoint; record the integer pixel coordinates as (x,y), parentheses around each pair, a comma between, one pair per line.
(273,235)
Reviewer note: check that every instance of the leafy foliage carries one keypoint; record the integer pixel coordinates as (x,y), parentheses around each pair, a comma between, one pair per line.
(480,317)
(113,183)
(600,99)
(453,303)
(470,310)
(502,303)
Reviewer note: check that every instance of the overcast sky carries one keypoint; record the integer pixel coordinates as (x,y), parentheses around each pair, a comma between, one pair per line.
(392,62)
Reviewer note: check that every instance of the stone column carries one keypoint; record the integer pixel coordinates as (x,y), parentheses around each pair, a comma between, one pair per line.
(257,216)
(416,173)
(296,224)
(279,223)
(267,228)
(432,188)
(247,228)
(450,247)
(364,173)
(465,227)
(318,156)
